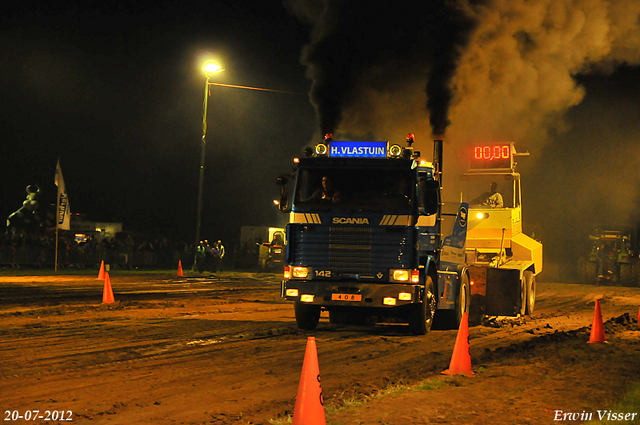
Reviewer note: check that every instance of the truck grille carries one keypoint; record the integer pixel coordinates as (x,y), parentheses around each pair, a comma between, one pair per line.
(350,249)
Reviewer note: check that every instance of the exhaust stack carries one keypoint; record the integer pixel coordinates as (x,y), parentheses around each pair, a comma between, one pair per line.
(437,160)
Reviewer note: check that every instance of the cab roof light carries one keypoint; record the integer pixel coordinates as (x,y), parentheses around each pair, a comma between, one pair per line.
(395,151)
(410,139)
(321,149)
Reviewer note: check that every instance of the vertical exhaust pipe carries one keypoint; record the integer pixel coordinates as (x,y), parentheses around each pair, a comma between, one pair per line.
(437,161)
(437,175)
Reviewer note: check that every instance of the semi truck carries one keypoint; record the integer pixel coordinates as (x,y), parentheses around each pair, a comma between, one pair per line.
(370,237)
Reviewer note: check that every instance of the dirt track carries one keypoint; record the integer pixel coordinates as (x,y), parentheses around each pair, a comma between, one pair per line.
(225,349)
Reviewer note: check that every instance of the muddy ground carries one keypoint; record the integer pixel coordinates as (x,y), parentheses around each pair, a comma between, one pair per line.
(225,349)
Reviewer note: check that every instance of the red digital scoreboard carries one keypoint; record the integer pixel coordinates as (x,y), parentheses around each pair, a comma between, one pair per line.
(491,156)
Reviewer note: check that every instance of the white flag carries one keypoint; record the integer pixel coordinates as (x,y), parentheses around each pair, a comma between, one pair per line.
(63,219)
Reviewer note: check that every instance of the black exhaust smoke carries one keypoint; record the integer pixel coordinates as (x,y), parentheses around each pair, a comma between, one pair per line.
(377,44)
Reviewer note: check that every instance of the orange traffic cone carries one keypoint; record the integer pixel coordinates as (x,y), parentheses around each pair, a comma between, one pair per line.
(309,408)
(101,272)
(461,359)
(597,329)
(180,268)
(107,293)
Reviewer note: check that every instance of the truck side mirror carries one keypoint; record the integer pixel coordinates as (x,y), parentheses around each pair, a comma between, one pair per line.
(282,181)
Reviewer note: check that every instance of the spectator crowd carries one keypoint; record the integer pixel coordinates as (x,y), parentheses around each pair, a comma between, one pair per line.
(21,249)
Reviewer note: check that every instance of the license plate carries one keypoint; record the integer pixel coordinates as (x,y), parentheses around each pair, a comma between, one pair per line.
(346,297)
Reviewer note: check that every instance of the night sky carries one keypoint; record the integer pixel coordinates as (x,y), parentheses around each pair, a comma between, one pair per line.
(115,90)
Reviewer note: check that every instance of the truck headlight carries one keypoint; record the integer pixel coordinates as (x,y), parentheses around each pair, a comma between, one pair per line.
(399,275)
(300,272)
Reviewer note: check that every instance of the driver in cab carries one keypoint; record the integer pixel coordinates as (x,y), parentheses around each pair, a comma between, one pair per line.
(326,192)
(491,199)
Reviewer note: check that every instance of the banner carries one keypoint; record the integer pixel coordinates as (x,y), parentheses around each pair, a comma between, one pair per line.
(63,220)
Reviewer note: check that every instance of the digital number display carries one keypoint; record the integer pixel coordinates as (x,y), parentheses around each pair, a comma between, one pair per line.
(491,156)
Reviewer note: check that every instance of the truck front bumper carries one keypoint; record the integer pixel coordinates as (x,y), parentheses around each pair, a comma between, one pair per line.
(351,294)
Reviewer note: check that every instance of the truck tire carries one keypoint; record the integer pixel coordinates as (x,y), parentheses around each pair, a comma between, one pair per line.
(307,315)
(421,317)
(625,274)
(523,296)
(463,302)
(530,280)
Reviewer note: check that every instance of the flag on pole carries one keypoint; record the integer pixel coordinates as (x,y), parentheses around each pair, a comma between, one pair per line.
(63,220)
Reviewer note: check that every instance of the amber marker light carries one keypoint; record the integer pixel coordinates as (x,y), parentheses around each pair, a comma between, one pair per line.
(389,301)
(415,276)
(405,296)
(292,292)
(307,298)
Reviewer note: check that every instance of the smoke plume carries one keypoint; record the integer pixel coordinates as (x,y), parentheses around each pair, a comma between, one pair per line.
(492,69)
(515,79)
(381,45)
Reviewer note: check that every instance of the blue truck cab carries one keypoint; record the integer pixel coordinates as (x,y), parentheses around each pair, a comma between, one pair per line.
(365,237)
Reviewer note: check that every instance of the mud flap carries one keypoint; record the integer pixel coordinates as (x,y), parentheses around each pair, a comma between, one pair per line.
(503,292)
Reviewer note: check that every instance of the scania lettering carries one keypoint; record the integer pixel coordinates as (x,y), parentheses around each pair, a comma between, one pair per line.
(347,220)
(369,238)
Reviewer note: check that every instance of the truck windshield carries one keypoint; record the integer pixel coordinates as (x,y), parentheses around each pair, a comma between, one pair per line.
(361,189)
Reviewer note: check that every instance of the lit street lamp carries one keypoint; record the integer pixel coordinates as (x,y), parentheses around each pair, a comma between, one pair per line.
(209,69)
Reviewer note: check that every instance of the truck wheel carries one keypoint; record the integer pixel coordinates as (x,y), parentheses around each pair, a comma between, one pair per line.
(463,301)
(307,315)
(421,317)
(523,296)
(530,280)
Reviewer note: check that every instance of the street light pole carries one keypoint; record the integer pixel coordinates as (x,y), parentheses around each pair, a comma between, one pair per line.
(209,70)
